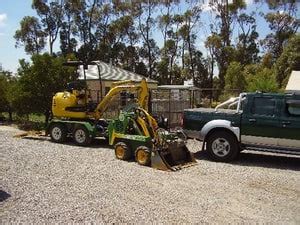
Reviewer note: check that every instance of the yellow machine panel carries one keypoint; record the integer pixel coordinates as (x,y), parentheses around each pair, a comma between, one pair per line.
(65,100)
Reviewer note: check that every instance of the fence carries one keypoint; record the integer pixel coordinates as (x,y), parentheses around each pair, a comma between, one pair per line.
(169,102)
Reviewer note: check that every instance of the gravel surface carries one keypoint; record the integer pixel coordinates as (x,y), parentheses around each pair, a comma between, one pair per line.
(46,182)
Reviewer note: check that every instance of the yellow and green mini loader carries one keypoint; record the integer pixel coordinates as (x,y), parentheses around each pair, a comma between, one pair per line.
(136,135)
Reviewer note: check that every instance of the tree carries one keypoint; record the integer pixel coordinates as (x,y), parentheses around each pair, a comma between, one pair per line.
(91,21)
(234,78)
(51,17)
(146,24)
(219,42)
(247,46)
(283,24)
(191,19)
(7,91)
(201,76)
(289,60)
(263,80)
(30,35)
(169,24)
(68,30)
(39,81)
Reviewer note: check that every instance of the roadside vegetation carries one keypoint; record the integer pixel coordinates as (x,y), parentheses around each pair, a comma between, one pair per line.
(123,34)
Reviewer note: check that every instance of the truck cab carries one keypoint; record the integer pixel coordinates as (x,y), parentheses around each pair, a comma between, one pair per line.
(272,121)
(255,121)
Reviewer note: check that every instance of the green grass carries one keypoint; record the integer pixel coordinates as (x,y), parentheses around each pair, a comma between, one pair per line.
(31,122)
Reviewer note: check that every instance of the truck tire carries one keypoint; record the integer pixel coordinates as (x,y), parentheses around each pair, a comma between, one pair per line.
(58,133)
(122,151)
(81,136)
(222,146)
(143,156)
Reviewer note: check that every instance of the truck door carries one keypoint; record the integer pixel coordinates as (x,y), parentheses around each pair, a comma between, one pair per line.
(290,123)
(260,123)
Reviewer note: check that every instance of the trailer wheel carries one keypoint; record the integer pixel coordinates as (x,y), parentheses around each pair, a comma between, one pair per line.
(143,156)
(122,151)
(222,146)
(58,133)
(81,136)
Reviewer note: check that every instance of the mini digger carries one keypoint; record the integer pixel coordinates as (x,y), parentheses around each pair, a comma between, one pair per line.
(74,116)
(135,134)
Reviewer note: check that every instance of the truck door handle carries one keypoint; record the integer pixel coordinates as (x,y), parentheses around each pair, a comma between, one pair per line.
(252,120)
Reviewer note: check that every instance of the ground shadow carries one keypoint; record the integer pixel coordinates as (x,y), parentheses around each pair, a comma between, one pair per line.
(257,159)
(4,195)
(96,143)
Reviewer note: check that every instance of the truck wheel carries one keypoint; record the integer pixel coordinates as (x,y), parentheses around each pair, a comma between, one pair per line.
(143,156)
(222,146)
(81,136)
(122,151)
(58,133)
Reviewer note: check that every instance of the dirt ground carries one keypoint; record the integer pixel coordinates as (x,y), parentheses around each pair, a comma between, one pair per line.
(41,181)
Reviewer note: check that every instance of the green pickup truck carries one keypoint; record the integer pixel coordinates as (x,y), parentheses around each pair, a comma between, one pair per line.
(254,121)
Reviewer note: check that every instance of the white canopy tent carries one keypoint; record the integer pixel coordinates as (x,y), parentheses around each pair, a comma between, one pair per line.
(293,85)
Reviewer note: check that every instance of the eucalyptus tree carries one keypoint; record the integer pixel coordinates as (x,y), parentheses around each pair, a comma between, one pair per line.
(124,35)
(289,60)
(68,31)
(220,40)
(51,15)
(283,23)
(247,47)
(146,24)
(30,35)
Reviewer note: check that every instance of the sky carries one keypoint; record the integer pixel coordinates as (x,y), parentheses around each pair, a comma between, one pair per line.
(12,12)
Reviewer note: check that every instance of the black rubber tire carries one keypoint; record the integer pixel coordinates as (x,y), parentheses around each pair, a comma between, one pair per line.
(81,136)
(145,160)
(122,151)
(225,137)
(58,132)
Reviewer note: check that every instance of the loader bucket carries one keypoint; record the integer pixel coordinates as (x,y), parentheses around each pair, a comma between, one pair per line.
(174,158)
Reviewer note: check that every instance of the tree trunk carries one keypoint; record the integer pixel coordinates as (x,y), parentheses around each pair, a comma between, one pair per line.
(51,48)
(10,114)
(47,116)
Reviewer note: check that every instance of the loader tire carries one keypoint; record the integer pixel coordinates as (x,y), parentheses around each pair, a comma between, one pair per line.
(81,136)
(58,133)
(122,151)
(143,156)
(222,146)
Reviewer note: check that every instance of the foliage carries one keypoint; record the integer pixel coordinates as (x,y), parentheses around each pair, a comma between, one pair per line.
(30,35)
(39,81)
(123,33)
(51,17)
(234,78)
(283,23)
(7,91)
(260,79)
(289,60)
(3,91)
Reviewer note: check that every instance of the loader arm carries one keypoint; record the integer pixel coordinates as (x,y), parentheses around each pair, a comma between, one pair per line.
(118,87)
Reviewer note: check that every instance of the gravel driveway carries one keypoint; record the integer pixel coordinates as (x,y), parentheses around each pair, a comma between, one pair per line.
(42,181)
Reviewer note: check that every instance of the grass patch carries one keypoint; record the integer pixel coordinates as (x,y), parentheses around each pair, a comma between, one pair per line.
(29,122)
